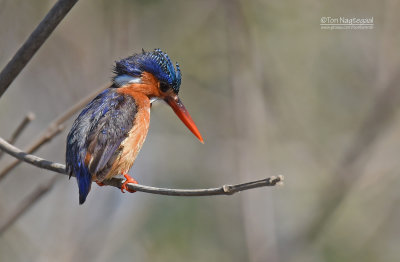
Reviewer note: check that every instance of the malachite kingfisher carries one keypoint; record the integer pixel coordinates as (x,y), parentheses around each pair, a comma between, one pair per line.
(108,134)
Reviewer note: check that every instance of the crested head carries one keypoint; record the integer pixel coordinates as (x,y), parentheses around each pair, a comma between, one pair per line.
(156,63)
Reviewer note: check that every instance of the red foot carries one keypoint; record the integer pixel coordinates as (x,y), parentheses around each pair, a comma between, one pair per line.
(100,183)
(128,180)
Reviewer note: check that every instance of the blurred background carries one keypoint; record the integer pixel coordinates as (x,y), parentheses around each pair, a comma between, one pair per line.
(271,93)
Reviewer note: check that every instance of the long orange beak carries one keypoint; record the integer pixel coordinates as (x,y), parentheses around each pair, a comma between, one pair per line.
(176,104)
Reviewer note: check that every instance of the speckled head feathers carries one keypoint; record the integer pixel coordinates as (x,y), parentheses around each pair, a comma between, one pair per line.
(156,63)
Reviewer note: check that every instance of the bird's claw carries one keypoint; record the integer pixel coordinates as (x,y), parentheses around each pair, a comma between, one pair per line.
(127,181)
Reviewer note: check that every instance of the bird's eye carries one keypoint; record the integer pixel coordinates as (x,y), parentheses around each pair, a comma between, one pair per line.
(164,87)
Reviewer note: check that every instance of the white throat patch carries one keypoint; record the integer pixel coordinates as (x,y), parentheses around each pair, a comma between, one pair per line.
(153,99)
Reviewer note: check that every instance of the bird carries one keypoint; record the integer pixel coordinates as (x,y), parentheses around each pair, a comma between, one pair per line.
(108,134)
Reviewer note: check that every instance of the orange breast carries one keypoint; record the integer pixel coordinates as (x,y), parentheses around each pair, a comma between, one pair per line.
(131,146)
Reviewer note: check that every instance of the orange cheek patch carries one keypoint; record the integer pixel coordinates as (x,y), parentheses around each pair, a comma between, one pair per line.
(150,79)
(148,86)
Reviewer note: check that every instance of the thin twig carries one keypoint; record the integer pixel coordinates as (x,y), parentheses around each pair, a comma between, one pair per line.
(53,129)
(117,182)
(34,42)
(27,203)
(75,108)
(28,118)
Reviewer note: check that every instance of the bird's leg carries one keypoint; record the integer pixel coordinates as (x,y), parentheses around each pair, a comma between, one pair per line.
(128,180)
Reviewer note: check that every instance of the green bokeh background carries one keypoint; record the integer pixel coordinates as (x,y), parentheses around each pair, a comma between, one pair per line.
(271,93)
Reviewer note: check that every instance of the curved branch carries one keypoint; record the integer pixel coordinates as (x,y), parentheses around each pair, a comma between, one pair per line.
(117,182)
(34,42)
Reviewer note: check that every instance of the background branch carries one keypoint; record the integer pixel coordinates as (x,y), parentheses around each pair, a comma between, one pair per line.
(34,42)
(376,122)
(117,182)
(27,203)
(28,118)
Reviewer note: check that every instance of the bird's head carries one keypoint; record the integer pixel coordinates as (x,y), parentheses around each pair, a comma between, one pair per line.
(153,74)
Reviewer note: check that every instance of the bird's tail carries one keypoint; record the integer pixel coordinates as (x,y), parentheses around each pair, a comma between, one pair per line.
(84,183)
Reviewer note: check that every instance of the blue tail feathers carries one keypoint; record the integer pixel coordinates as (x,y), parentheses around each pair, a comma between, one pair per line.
(84,182)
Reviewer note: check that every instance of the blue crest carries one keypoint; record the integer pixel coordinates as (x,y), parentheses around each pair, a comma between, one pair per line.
(156,63)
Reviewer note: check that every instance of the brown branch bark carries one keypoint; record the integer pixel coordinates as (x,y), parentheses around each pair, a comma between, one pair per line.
(117,182)
(34,42)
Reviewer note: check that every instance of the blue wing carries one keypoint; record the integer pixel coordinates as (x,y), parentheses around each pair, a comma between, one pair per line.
(95,137)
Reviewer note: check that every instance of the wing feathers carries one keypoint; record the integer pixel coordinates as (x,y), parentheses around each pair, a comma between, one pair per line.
(96,135)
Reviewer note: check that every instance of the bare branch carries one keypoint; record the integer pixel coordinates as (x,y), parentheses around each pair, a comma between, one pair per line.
(222,190)
(53,129)
(117,182)
(27,203)
(28,118)
(34,42)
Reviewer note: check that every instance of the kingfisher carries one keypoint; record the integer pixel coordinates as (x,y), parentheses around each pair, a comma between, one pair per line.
(108,134)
